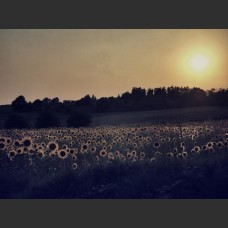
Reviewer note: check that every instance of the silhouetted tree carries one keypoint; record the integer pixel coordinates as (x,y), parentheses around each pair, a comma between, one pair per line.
(47,119)
(16,121)
(79,118)
(19,104)
(88,102)
(150,93)
(173,99)
(126,97)
(160,97)
(55,101)
(46,103)
(137,99)
(197,96)
(105,104)
(37,105)
(138,93)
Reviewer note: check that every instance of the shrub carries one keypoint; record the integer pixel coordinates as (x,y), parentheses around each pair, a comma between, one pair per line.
(79,118)
(46,120)
(16,121)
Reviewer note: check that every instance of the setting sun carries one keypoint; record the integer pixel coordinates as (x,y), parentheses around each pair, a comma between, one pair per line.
(199,63)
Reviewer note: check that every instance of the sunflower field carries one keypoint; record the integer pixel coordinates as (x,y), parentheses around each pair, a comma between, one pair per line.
(187,160)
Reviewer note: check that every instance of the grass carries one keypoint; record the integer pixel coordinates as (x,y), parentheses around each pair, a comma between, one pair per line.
(117,181)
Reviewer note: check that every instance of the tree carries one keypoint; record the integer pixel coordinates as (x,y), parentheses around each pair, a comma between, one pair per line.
(55,101)
(47,119)
(37,104)
(16,121)
(138,93)
(79,118)
(19,104)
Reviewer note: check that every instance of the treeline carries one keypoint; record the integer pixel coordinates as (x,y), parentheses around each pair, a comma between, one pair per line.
(137,100)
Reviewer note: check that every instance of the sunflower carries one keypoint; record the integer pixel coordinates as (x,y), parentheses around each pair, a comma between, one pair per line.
(169,155)
(8,141)
(17,143)
(110,147)
(117,153)
(93,149)
(40,154)
(103,142)
(158,154)
(52,146)
(26,142)
(180,156)
(12,154)
(153,159)
(84,147)
(3,139)
(122,158)
(2,146)
(220,145)
(103,153)
(35,146)
(74,166)
(129,155)
(142,155)
(64,146)
(31,151)
(52,153)
(162,140)
(111,156)
(185,154)
(20,150)
(62,154)
(25,150)
(210,144)
(156,145)
(71,151)
(72,143)
(196,149)
(134,152)
(74,157)
(204,147)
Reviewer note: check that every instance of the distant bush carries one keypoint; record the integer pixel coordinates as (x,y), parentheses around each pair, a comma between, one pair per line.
(79,118)
(16,121)
(47,119)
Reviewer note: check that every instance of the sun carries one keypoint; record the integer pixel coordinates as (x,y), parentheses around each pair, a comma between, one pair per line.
(199,63)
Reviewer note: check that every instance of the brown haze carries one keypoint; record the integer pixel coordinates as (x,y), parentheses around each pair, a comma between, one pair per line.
(72,63)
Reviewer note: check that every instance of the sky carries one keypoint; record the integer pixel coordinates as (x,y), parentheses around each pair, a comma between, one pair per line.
(71,63)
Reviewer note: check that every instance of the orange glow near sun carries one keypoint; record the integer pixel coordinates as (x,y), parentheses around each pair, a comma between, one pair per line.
(200,63)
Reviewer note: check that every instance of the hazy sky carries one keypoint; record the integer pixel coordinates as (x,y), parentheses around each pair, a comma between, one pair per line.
(106,62)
